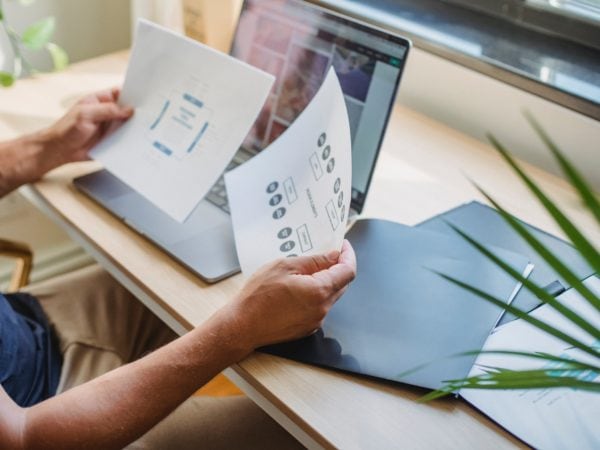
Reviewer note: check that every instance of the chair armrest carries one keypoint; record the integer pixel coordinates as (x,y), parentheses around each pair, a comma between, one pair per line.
(24,262)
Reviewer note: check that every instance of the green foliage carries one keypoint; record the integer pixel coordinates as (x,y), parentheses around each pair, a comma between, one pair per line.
(6,79)
(36,37)
(569,371)
(60,59)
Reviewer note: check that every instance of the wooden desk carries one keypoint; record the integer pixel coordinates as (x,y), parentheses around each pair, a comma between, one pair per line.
(421,172)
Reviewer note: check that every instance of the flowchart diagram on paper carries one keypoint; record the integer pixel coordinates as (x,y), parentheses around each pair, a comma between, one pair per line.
(293,198)
(193,108)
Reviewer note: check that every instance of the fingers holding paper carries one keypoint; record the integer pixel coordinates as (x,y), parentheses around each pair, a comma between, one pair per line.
(289,298)
(84,125)
(339,275)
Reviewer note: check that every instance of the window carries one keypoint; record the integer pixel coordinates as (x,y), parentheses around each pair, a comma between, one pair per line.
(550,48)
(574,20)
(584,9)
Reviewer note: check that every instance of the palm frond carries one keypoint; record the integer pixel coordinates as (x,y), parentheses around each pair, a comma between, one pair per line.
(567,362)
(523,379)
(553,261)
(544,326)
(541,293)
(561,371)
(585,248)
(589,199)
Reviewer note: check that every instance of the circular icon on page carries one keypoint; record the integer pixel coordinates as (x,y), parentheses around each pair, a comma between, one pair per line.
(330,165)
(287,246)
(337,185)
(272,187)
(322,139)
(340,199)
(275,200)
(326,152)
(284,233)
(279,213)
(343,214)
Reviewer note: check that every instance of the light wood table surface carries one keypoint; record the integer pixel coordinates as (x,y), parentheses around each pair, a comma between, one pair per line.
(423,170)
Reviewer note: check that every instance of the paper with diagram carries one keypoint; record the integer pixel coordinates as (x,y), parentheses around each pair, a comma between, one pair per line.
(193,108)
(559,418)
(293,197)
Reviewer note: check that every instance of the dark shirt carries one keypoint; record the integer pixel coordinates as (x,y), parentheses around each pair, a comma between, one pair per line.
(30,359)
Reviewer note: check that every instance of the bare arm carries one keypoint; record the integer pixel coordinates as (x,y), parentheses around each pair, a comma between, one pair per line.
(286,300)
(28,158)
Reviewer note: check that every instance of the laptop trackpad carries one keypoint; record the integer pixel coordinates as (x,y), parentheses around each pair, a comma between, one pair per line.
(148,219)
(212,253)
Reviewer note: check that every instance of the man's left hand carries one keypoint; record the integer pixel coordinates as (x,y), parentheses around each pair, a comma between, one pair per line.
(83,126)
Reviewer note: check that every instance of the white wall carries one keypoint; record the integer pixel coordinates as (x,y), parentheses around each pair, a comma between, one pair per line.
(477,104)
(85,28)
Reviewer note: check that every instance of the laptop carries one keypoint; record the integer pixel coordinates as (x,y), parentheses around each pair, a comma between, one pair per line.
(297,42)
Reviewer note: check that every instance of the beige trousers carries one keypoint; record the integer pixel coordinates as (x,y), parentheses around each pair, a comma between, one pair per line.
(101,326)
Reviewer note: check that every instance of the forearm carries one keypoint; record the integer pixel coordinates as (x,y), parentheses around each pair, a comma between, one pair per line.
(121,406)
(24,160)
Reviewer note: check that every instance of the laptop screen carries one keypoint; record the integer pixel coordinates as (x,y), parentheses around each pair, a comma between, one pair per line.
(297,42)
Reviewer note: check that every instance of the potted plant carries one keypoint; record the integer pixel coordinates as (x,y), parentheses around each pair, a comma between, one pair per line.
(553,371)
(36,37)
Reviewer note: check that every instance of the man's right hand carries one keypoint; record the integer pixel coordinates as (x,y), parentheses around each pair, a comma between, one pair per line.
(285,300)
(288,299)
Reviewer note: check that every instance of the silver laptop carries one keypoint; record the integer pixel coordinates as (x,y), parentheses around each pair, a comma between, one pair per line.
(297,42)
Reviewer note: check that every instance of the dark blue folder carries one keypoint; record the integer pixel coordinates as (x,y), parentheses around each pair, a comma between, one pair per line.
(399,315)
(486,225)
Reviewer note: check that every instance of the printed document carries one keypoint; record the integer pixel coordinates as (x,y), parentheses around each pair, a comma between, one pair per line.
(193,108)
(558,418)
(292,199)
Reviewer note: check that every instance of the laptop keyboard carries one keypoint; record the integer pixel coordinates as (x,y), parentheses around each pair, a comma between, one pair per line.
(218,193)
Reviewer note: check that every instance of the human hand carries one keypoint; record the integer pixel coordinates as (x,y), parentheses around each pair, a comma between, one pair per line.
(83,126)
(289,298)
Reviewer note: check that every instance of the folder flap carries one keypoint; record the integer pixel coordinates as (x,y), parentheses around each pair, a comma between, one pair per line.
(399,315)
(486,225)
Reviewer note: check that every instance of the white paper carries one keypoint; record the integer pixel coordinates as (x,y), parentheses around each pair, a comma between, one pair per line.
(193,108)
(293,198)
(544,418)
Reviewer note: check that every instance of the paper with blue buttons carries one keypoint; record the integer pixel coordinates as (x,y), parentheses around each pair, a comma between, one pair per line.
(292,199)
(193,108)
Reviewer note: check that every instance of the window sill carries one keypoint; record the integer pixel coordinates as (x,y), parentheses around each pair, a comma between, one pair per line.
(563,72)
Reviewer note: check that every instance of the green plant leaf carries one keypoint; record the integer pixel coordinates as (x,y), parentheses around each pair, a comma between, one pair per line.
(585,248)
(587,195)
(506,379)
(568,362)
(6,79)
(37,35)
(546,254)
(549,329)
(532,287)
(564,371)
(60,59)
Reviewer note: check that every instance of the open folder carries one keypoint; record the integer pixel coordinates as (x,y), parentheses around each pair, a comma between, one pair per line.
(401,321)
(486,225)
(400,315)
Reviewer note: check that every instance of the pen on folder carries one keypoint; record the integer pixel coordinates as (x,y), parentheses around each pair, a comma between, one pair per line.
(554,289)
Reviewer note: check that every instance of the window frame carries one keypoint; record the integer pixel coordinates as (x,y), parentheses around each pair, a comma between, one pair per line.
(442,27)
(534,15)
